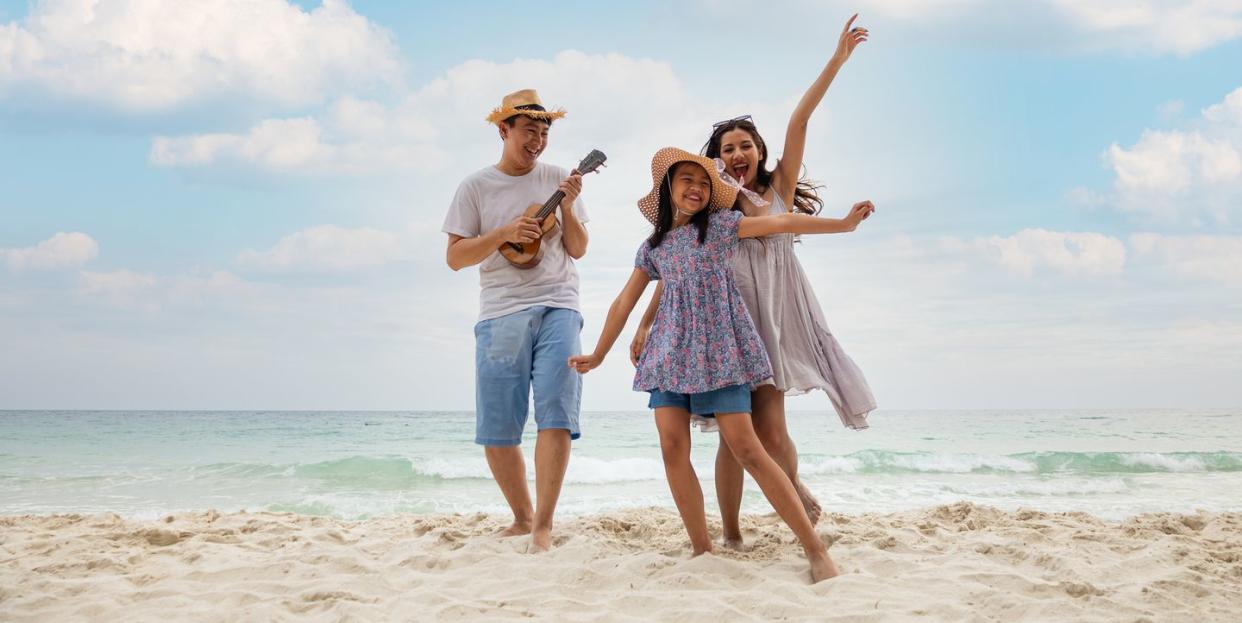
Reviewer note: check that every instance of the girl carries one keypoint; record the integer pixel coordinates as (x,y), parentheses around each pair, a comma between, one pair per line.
(705,353)
(803,353)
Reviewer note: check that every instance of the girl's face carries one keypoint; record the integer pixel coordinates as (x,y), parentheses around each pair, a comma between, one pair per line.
(741,155)
(691,187)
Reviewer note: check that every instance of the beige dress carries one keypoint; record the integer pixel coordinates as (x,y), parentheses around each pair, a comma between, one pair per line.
(804,354)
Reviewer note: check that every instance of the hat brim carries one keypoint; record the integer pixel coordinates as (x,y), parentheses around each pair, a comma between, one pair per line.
(723,195)
(504,112)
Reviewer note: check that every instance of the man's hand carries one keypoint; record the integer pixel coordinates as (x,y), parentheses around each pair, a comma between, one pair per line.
(571,186)
(521,229)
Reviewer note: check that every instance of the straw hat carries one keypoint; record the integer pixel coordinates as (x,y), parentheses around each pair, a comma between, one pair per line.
(723,193)
(524,102)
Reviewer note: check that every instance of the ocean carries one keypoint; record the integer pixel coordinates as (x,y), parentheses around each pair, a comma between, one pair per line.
(353,465)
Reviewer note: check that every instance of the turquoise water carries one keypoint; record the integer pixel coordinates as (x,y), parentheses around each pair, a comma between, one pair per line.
(358,464)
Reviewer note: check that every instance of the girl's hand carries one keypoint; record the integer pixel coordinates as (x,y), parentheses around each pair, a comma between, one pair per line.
(860,212)
(585,363)
(850,38)
(636,346)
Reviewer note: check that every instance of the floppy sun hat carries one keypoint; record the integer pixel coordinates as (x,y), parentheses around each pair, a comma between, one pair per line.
(724,192)
(524,102)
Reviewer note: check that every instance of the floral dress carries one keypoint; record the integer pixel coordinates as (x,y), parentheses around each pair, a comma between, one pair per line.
(703,338)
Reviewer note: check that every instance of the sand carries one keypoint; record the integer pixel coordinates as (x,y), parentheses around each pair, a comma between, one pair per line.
(955,563)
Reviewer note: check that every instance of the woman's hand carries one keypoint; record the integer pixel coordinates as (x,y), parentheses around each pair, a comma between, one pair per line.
(850,38)
(860,212)
(636,346)
(585,363)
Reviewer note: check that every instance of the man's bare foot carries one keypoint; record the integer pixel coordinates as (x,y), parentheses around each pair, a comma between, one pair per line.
(823,568)
(517,529)
(734,543)
(813,510)
(540,541)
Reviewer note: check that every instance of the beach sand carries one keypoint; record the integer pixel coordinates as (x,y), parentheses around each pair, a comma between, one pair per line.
(961,563)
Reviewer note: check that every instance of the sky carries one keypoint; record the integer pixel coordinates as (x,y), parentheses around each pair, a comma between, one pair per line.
(236,204)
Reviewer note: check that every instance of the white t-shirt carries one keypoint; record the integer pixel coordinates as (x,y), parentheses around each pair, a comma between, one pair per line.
(488,199)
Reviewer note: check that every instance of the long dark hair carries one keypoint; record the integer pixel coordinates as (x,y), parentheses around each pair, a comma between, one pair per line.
(806,195)
(664,219)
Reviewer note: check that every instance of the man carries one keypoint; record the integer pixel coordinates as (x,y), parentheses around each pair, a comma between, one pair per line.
(529,318)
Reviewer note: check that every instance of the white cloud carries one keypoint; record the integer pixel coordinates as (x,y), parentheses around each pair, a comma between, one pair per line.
(146,56)
(437,132)
(1164,26)
(1083,197)
(1228,112)
(1171,109)
(64,250)
(1214,259)
(355,136)
(358,136)
(115,282)
(128,289)
(1189,176)
(1068,253)
(329,248)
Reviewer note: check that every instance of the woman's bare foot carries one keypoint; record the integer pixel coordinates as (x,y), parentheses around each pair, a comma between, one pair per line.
(813,510)
(823,568)
(517,529)
(540,541)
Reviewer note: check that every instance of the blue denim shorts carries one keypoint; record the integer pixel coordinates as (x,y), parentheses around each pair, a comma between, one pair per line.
(516,352)
(731,399)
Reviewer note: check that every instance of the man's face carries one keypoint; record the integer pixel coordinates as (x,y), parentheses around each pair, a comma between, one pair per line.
(525,140)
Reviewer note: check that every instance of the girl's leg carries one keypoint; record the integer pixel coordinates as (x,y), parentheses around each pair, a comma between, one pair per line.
(674,426)
(768,405)
(738,432)
(729,480)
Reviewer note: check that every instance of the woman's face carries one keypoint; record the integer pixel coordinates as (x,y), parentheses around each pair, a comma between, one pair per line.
(691,187)
(741,155)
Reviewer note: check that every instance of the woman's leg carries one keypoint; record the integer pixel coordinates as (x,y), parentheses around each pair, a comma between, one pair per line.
(729,480)
(739,433)
(768,405)
(674,426)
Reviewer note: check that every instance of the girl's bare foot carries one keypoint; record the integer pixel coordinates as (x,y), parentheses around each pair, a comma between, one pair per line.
(823,568)
(517,529)
(813,510)
(540,541)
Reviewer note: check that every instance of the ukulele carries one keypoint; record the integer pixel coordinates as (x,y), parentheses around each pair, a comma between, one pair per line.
(528,254)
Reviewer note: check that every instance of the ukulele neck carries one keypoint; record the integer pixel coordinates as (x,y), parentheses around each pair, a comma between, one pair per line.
(550,205)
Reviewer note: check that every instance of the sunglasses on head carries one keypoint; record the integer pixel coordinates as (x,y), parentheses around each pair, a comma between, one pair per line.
(728,121)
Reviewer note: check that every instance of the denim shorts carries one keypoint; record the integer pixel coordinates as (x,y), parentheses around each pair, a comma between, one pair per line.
(516,352)
(731,399)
